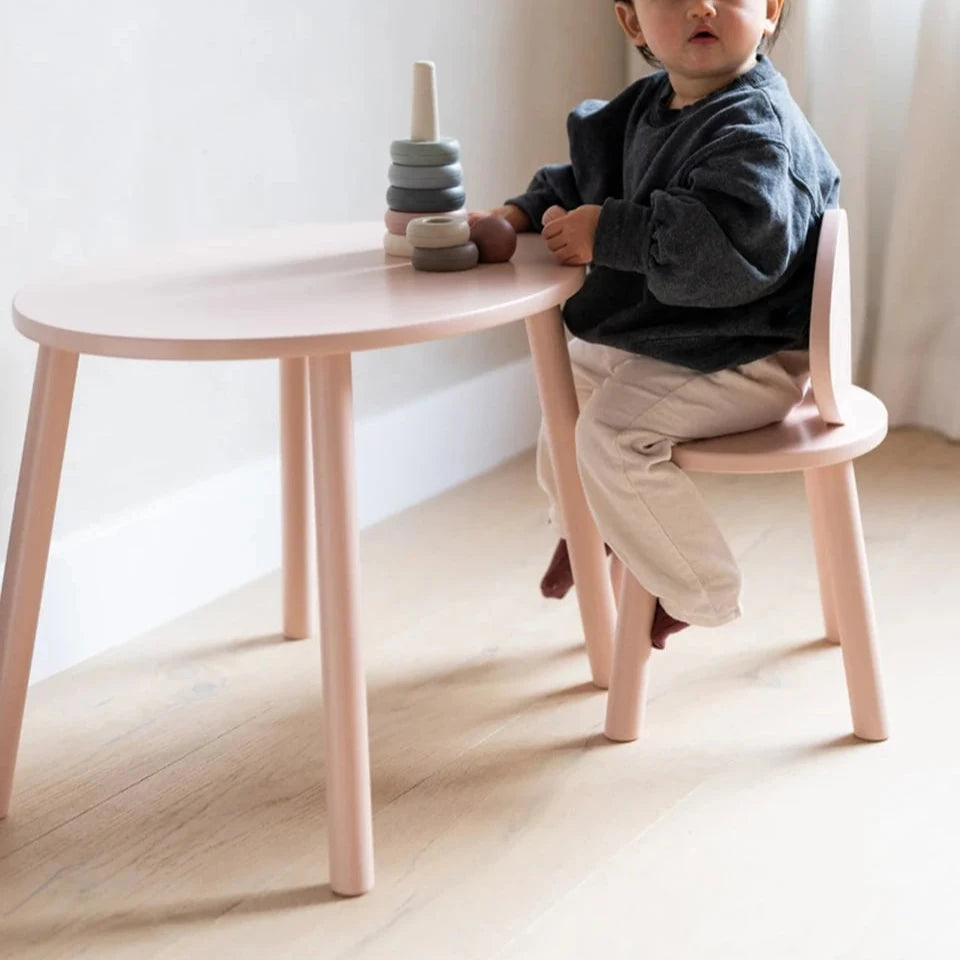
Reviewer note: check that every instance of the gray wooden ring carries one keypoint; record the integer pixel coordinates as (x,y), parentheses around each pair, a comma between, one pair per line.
(425,178)
(447,259)
(397,246)
(427,201)
(431,233)
(425,153)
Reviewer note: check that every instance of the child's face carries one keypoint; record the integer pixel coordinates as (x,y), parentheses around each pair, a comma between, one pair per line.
(668,27)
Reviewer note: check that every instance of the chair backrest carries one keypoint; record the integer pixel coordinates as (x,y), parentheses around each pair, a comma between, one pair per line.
(831,365)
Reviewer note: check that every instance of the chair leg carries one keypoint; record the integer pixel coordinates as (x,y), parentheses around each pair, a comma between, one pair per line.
(850,582)
(821,545)
(558,400)
(299,576)
(347,751)
(26,564)
(627,699)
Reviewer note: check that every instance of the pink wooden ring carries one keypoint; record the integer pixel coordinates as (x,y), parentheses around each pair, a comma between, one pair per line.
(397,222)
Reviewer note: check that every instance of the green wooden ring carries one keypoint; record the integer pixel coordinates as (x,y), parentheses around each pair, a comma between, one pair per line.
(433,233)
(405,200)
(425,178)
(425,153)
(447,259)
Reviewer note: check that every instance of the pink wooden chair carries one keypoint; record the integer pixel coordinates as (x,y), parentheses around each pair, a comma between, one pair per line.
(821,437)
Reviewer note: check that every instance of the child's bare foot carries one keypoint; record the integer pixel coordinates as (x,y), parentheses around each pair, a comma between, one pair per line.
(558,579)
(663,626)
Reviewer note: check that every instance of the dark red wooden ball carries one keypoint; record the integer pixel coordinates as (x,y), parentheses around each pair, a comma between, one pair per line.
(495,239)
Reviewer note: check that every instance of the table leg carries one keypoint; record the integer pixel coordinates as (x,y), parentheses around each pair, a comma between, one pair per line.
(558,399)
(299,608)
(26,564)
(350,824)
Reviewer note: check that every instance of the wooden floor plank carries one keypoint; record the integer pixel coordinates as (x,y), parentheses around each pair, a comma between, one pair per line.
(169,801)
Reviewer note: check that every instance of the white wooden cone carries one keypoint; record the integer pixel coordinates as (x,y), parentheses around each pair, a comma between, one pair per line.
(425,121)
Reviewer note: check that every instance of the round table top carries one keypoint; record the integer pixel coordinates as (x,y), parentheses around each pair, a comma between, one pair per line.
(294,291)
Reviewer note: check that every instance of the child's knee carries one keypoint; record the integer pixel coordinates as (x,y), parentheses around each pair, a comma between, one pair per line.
(600,443)
(601,452)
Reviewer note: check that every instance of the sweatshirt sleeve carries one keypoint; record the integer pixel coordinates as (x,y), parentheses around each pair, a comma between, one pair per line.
(595,134)
(553,184)
(725,237)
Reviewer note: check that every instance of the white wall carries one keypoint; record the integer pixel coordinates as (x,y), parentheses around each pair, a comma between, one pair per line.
(129,124)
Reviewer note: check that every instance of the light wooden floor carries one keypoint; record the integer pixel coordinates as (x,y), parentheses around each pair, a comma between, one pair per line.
(169,800)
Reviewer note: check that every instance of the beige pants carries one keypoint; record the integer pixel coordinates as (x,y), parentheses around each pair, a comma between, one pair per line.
(633,409)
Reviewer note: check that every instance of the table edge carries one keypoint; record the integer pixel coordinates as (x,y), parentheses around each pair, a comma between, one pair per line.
(283,347)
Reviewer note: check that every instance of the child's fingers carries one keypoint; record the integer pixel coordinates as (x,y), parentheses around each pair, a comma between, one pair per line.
(558,249)
(553,235)
(552,213)
(557,243)
(554,229)
(571,254)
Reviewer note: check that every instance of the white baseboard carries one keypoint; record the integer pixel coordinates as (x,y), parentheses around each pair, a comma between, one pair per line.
(131,573)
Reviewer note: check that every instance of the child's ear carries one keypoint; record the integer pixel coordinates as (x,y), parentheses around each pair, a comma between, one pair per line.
(774,10)
(627,16)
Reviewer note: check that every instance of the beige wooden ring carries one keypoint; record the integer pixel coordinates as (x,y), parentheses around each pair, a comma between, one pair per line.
(396,246)
(446,259)
(397,222)
(431,233)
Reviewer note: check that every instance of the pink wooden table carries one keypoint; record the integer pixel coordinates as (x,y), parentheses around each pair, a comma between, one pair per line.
(308,296)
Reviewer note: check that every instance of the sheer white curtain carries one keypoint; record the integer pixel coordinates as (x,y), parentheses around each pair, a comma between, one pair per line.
(824,53)
(880,80)
(916,351)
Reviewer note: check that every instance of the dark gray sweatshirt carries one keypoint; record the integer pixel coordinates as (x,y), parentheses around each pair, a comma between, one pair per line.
(706,243)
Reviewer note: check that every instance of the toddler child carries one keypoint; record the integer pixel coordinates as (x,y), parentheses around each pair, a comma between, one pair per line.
(696,196)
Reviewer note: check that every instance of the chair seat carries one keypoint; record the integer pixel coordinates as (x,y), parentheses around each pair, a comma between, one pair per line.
(800,442)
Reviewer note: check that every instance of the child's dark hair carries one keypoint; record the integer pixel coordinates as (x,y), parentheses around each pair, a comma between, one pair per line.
(766,44)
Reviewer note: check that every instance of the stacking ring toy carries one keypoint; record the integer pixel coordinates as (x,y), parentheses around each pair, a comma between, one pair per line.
(429,201)
(431,233)
(425,153)
(426,178)
(446,259)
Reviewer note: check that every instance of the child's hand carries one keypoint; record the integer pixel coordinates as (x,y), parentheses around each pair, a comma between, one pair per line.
(570,235)
(551,213)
